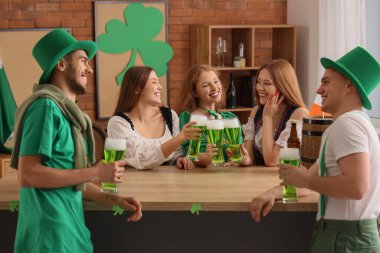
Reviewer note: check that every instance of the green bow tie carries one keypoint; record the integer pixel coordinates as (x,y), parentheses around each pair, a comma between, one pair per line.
(214,113)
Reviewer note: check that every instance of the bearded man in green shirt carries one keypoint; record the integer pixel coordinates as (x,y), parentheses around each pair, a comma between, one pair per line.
(54,153)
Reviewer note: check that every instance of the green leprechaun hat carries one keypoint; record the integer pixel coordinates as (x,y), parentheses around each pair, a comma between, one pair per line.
(54,46)
(361,68)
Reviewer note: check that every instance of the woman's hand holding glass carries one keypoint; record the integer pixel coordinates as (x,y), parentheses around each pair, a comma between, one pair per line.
(195,143)
(215,136)
(190,133)
(247,161)
(232,136)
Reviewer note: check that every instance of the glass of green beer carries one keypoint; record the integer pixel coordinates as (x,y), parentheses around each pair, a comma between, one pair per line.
(232,136)
(194,145)
(215,136)
(289,156)
(114,150)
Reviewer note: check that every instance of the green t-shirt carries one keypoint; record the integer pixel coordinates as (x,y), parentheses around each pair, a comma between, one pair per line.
(50,220)
(184,118)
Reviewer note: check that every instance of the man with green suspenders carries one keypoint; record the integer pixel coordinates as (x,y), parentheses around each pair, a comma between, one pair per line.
(347,172)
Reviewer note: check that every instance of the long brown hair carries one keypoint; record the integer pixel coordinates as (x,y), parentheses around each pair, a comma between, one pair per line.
(134,80)
(189,102)
(285,80)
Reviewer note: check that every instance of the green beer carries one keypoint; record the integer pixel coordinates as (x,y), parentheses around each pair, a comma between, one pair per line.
(114,150)
(290,156)
(232,135)
(194,145)
(215,135)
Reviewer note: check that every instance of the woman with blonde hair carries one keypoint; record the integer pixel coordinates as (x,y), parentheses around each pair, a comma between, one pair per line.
(278,100)
(201,95)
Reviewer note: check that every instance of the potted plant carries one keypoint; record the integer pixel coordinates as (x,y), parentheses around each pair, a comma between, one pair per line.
(237,61)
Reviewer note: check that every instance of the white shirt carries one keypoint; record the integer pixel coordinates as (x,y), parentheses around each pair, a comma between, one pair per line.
(249,134)
(352,133)
(141,152)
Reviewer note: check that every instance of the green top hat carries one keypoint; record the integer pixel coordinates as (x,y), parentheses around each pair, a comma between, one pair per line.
(361,68)
(54,46)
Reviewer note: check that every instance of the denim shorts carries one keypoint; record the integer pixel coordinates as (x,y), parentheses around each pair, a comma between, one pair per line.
(341,236)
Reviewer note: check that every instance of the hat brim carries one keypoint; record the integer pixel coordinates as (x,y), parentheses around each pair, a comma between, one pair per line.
(329,64)
(89,46)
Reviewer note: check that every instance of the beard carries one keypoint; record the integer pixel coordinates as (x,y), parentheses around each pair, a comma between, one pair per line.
(74,85)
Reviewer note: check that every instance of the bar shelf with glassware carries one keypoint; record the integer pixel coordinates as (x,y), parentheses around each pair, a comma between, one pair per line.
(261,44)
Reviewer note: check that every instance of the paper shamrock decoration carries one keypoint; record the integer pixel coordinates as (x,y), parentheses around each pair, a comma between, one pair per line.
(136,34)
(196,208)
(13,206)
(117,210)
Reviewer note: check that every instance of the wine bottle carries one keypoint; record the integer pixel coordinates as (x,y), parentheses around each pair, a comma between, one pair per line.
(231,94)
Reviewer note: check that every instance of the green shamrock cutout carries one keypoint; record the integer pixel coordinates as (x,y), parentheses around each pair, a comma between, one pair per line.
(195,208)
(117,210)
(13,206)
(136,34)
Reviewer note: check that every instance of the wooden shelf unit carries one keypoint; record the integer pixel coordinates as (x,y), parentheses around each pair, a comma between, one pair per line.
(262,43)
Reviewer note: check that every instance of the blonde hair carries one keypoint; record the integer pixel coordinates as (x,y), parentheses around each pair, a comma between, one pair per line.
(189,102)
(285,80)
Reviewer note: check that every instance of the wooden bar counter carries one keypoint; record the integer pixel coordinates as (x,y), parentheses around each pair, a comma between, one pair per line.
(167,194)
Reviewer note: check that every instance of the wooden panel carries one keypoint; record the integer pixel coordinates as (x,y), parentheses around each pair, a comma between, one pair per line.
(167,188)
(5,168)
(16,46)
(200,45)
(284,44)
(108,66)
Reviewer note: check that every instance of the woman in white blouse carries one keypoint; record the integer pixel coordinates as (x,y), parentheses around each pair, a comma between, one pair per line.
(151,131)
(278,99)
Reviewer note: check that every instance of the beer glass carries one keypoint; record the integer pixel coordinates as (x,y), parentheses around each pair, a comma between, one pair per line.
(232,136)
(194,145)
(114,150)
(289,156)
(214,130)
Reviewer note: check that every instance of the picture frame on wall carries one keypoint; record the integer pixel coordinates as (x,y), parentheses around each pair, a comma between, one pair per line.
(22,70)
(129,34)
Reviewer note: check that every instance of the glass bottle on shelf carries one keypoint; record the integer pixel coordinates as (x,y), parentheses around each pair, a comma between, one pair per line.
(231,94)
(218,50)
(224,52)
(241,54)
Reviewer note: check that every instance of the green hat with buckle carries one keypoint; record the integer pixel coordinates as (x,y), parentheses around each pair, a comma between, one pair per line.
(54,46)
(361,68)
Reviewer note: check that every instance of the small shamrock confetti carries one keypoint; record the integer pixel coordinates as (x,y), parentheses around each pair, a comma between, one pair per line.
(117,210)
(195,208)
(13,206)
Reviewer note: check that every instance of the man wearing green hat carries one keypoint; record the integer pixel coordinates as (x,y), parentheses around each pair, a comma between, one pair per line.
(348,169)
(54,153)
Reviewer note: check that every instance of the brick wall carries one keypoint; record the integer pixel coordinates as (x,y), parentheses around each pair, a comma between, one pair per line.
(78,15)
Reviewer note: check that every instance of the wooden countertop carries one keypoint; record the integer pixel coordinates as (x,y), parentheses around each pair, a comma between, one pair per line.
(167,188)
